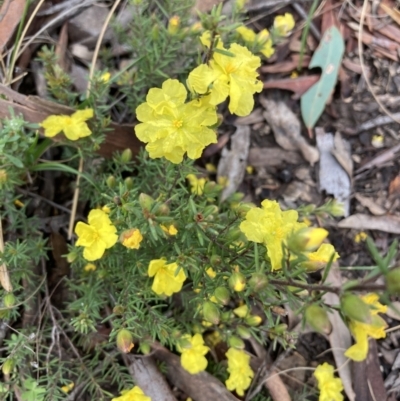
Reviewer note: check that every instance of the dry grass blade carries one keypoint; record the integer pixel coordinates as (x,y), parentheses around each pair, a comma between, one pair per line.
(4,276)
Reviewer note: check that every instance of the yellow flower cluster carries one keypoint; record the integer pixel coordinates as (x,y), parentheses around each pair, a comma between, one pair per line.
(272,227)
(234,76)
(330,387)
(361,331)
(239,370)
(166,279)
(134,394)
(171,127)
(193,351)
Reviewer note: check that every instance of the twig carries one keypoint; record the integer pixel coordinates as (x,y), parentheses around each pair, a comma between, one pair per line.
(75,200)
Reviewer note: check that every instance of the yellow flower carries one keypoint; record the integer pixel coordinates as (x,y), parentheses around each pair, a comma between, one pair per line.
(360,237)
(205,39)
(105,77)
(131,238)
(270,226)
(67,388)
(235,77)
(330,387)
(192,358)
(90,267)
(320,258)
(170,230)
(74,126)
(134,394)
(361,331)
(240,371)
(196,184)
(211,272)
(283,24)
(106,209)
(247,34)
(166,281)
(97,236)
(172,127)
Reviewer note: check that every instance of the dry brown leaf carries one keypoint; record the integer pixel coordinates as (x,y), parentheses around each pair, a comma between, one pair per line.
(298,85)
(342,153)
(332,177)
(392,12)
(371,205)
(234,161)
(256,116)
(393,310)
(285,66)
(10,16)
(287,129)
(384,157)
(274,156)
(394,187)
(339,338)
(200,387)
(149,378)
(388,224)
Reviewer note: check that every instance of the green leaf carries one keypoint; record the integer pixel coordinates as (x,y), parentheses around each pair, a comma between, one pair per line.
(328,57)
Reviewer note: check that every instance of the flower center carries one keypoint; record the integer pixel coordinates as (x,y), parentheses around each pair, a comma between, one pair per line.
(229,68)
(177,123)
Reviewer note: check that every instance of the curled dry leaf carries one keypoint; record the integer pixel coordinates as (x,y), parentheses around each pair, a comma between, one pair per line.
(388,224)
(287,129)
(333,178)
(232,165)
(371,205)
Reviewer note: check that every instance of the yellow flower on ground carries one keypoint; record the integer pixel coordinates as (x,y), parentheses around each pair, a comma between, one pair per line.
(330,387)
(97,236)
(131,238)
(134,394)
(320,258)
(170,230)
(171,127)
(283,24)
(74,126)
(193,351)
(196,184)
(240,371)
(360,237)
(361,331)
(166,281)
(235,77)
(271,226)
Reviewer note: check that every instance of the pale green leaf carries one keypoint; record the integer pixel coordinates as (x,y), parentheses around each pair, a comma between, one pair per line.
(328,57)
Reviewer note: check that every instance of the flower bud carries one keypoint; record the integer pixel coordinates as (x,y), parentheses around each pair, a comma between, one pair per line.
(222,295)
(155,32)
(233,235)
(215,260)
(146,201)
(8,366)
(3,177)
(210,210)
(71,256)
(243,208)
(9,300)
(211,188)
(243,332)
(227,316)
(211,312)
(317,318)
(393,281)
(241,311)
(336,209)
(125,341)
(258,282)
(111,182)
(236,197)
(118,310)
(253,320)
(281,328)
(126,155)
(236,342)
(307,239)
(173,25)
(237,281)
(355,308)
(129,183)
(145,348)
(162,210)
